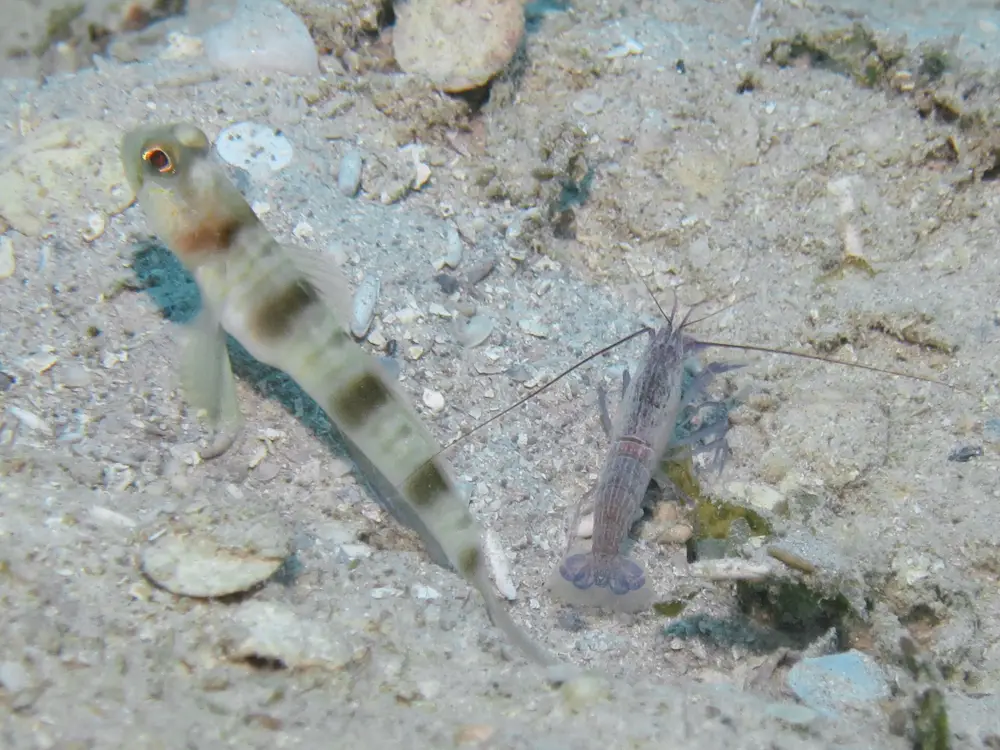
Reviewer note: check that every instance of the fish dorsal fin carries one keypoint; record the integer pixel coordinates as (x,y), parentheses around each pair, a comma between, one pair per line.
(323,273)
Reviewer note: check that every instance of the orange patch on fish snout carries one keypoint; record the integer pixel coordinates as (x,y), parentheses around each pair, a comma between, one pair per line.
(210,236)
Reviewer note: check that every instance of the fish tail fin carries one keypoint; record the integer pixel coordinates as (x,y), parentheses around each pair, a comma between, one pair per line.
(617,583)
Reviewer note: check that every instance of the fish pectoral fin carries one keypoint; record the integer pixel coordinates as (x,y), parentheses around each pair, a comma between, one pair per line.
(208,382)
(324,275)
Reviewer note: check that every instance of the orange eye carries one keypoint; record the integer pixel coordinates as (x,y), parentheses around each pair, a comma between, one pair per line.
(159,159)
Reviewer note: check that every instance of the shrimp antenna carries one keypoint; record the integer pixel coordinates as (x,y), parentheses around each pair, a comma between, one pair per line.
(818,358)
(767,350)
(544,387)
(670,318)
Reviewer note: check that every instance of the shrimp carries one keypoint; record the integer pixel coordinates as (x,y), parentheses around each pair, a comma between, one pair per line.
(605,576)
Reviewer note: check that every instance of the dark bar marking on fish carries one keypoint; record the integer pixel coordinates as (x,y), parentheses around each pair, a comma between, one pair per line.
(275,316)
(214,235)
(426,485)
(359,400)
(468,562)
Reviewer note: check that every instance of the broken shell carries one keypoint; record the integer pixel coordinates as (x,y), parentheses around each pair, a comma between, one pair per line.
(731,569)
(95,227)
(365,299)
(200,565)
(470,332)
(500,566)
(586,528)
(422,176)
(7,263)
(433,400)
(258,149)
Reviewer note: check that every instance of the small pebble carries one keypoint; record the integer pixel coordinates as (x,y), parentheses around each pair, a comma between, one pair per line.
(74,376)
(354,551)
(14,677)
(677,534)
(480,271)
(424,593)
(966,453)
(473,734)
(365,300)
(829,684)
(407,315)
(533,328)
(991,430)
(448,284)
(453,256)
(471,332)
(586,528)
(267,470)
(349,175)
(433,400)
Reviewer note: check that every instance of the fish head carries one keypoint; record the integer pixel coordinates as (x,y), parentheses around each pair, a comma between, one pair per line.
(160,155)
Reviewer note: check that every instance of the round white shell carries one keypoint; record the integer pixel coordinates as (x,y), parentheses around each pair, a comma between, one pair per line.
(257,148)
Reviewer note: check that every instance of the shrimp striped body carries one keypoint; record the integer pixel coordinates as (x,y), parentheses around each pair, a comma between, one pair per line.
(645,422)
(287,307)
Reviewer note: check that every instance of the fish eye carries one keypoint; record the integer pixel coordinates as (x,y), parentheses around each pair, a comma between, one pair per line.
(159,159)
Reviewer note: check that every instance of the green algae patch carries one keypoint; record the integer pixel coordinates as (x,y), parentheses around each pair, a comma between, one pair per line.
(671,608)
(792,606)
(854,51)
(714,519)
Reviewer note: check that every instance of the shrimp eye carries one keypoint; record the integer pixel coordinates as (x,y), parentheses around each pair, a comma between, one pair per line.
(161,162)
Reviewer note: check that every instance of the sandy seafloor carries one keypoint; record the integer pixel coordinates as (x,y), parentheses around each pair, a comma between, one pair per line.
(701,189)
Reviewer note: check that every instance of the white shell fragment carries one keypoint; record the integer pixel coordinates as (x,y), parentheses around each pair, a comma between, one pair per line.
(274,632)
(365,299)
(453,256)
(258,149)
(499,565)
(433,400)
(629,48)
(349,174)
(732,569)
(29,419)
(7,263)
(470,332)
(533,327)
(199,564)
(96,224)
